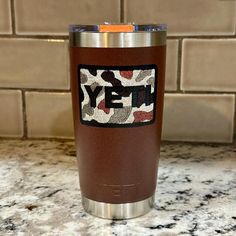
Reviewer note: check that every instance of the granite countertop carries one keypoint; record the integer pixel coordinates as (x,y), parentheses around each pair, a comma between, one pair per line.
(40,195)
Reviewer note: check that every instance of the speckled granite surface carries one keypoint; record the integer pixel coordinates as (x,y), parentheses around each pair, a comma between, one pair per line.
(39,192)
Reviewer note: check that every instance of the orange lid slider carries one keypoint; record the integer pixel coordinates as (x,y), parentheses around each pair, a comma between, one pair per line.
(116,28)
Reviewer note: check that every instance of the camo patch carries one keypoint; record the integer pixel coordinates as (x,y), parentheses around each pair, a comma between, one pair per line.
(117,96)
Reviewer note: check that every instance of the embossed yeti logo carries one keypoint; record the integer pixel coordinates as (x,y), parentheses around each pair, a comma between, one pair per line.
(120,96)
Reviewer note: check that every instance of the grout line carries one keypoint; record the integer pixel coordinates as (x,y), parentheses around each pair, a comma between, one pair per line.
(56,139)
(13,21)
(66,37)
(42,90)
(201,37)
(166,91)
(179,61)
(25,127)
(28,36)
(163,142)
(37,90)
(234,136)
(202,92)
(122,11)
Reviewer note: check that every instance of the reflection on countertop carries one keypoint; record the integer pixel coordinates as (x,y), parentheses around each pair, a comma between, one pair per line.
(40,195)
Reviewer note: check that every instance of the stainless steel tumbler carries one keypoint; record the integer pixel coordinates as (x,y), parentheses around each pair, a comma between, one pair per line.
(117,81)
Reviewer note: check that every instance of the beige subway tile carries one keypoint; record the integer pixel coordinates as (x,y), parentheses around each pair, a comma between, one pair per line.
(185,17)
(209,65)
(235,125)
(49,115)
(11,117)
(54,16)
(34,63)
(198,117)
(171,65)
(5,17)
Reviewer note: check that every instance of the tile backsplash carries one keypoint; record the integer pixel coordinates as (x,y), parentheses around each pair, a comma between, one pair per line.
(49,114)
(171,65)
(34,63)
(11,118)
(209,65)
(199,117)
(52,17)
(5,17)
(185,17)
(35,99)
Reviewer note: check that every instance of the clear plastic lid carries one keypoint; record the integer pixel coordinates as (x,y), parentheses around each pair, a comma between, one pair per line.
(118,35)
(108,27)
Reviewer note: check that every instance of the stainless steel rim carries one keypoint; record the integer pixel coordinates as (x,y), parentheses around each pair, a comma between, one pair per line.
(118,211)
(117,39)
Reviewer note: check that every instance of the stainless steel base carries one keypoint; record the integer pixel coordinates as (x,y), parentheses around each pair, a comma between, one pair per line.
(118,211)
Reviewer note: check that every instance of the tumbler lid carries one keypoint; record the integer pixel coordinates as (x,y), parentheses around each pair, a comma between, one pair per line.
(108,35)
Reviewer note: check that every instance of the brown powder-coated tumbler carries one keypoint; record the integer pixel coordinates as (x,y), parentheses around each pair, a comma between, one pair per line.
(117,79)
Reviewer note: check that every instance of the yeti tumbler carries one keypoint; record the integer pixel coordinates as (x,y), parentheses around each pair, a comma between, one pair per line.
(117,82)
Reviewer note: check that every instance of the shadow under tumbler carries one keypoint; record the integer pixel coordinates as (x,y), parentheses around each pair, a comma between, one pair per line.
(117,81)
